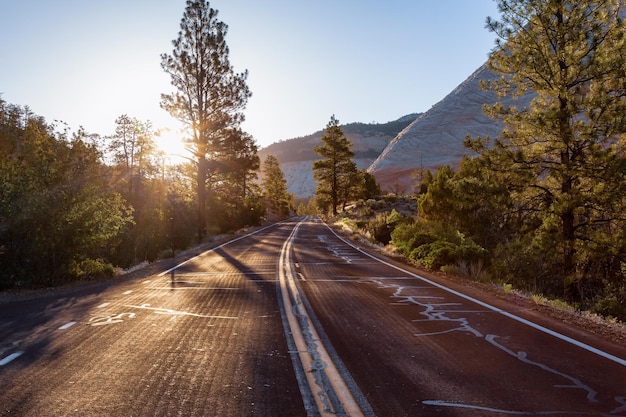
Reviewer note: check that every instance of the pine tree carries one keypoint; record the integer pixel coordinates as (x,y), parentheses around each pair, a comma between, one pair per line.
(561,157)
(209,95)
(275,186)
(335,173)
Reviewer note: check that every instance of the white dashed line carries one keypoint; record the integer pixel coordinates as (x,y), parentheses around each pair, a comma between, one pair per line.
(67,325)
(10,358)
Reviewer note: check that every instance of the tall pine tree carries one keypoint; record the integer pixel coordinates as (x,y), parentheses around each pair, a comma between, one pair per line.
(561,157)
(335,173)
(275,187)
(209,96)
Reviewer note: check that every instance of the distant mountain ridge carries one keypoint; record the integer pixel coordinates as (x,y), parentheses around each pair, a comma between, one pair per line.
(296,155)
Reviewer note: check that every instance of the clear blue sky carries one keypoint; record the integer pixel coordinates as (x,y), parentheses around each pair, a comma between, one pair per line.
(86,62)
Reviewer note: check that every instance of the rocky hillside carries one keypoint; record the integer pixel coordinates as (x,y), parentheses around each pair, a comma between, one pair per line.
(296,156)
(436,137)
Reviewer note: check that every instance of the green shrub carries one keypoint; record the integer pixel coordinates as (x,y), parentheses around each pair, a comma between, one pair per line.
(435,255)
(378,229)
(394,219)
(409,236)
(612,303)
(91,269)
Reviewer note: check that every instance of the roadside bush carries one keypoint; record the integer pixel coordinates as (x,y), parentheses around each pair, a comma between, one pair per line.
(440,253)
(613,303)
(91,269)
(378,229)
(474,270)
(434,255)
(409,236)
(434,245)
(394,219)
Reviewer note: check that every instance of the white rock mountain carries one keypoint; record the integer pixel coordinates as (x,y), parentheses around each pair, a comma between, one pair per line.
(436,137)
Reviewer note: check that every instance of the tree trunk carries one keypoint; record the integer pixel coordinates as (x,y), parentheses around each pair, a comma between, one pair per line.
(202,196)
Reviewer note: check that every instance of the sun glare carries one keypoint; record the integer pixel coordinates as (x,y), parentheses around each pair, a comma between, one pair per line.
(170,141)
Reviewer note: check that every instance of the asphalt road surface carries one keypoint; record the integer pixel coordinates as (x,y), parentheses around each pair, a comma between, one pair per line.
(293,320)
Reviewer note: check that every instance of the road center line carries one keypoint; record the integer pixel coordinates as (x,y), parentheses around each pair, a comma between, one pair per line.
(330,391)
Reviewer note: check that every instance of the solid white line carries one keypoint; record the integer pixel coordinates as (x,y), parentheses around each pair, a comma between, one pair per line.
(67,325)
(496,309)
(10,358)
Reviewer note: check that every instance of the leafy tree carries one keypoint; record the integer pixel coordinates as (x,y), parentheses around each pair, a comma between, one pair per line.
(336,172)
(133,151)
(562,156)
(59,217)
(423,178)
(275,187)
(232,182)
(471,200)
(370,188)
(436,203)
(209,95)
(306,207)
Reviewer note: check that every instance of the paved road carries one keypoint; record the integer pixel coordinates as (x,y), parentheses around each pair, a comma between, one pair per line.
(294,321)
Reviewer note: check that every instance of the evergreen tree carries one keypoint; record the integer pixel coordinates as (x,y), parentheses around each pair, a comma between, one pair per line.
(235,178)
(561,157)
(58,213)
(335,173)
(209,96)
(275,187)
(369,187)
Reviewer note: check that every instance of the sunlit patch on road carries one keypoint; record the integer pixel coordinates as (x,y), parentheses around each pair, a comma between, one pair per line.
(159,310)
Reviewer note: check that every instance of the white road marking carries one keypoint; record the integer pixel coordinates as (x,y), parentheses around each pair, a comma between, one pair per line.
(103,305)
(10,358)
(67,325)
(159,310)
(105,319)
(127,292)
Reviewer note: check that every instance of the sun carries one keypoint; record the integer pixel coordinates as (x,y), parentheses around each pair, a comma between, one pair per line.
(169,140)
